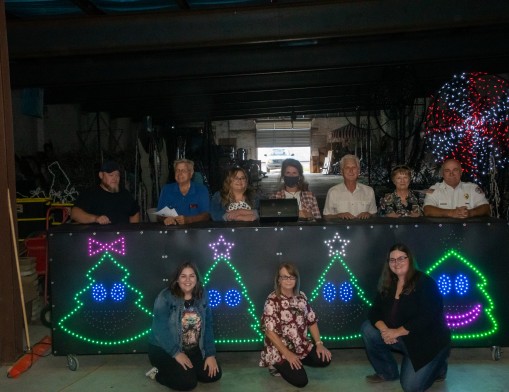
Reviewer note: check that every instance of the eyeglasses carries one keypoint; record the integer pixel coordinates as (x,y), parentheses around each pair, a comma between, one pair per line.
(400,260)
(287,277)
(239,178)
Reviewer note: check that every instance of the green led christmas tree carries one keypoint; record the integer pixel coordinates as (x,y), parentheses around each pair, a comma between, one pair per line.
(235,317)
(108,309)
(467,304)
(339,296)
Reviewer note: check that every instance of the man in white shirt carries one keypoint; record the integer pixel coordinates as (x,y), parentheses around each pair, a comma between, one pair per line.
(453,198)
(350,200)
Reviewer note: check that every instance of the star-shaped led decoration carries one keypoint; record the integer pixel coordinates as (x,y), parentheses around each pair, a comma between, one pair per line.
(221,248)
(337,245)
(452,239)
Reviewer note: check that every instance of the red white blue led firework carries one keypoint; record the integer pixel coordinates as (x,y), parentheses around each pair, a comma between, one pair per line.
(468,120)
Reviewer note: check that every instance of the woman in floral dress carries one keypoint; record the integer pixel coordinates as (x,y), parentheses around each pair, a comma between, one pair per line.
(286,319)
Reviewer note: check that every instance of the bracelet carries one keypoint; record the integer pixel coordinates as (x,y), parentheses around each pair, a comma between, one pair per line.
(318,342)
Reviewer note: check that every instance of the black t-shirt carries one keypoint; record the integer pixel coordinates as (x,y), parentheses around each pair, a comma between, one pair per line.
(116,206)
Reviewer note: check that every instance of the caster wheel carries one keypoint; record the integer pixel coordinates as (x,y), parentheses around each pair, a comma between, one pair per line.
(72,362)
(45,316)
(495,353)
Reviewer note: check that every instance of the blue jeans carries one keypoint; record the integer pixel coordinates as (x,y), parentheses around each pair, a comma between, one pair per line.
(381,358)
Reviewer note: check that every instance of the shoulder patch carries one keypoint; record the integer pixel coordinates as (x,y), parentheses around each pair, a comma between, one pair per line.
(479,190)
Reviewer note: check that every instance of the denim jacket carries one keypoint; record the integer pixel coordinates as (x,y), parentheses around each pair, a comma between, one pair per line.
(167,324)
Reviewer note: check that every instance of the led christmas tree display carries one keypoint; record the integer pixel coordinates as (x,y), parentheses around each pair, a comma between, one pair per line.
(235,317)
(467,304)
(338,295)
(108,308)
(469,120)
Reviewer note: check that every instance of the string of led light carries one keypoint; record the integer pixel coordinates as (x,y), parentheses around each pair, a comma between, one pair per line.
(468,119)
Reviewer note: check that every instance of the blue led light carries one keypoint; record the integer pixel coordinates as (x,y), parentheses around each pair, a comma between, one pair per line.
(345,291)
(99,292)
(461,284)
(329,292)
(214,298)
(232,297)
(118,292)
(444,284)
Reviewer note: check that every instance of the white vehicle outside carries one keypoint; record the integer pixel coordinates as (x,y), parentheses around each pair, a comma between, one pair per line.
(276,158)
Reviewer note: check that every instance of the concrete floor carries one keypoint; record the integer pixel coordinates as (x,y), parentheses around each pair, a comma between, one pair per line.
(470,370)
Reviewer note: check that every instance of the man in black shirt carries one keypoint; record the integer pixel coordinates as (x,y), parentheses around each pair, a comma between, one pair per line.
(106,203)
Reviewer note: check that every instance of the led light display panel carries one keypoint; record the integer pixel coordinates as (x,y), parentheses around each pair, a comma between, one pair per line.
(104,282)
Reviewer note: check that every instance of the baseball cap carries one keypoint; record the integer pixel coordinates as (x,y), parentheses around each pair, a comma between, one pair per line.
(110,167)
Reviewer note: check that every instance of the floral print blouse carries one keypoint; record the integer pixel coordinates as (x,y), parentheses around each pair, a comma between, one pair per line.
(391,202)
(289,318)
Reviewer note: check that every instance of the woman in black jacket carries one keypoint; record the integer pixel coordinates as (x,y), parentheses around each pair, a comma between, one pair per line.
(407,316)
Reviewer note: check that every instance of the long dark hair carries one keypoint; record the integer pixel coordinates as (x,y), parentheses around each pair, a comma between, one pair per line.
(389,280)
(226,193)
(302,184)
(174,284)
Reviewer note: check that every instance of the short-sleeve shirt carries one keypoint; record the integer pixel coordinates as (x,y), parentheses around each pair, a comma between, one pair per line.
(195,202)
(465,194)
(117,206)
(289,318)
(340,199)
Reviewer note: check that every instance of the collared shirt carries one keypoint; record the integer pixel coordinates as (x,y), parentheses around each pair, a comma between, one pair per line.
(465,194)
(340,200)
(195,202)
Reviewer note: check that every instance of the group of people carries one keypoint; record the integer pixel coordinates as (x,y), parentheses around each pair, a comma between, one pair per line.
(450,198)
(237,201)
(407,316)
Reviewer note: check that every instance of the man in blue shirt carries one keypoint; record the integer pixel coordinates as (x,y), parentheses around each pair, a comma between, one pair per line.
(190,200)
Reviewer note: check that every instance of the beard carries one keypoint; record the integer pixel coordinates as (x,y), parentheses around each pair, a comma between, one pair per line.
(111,188)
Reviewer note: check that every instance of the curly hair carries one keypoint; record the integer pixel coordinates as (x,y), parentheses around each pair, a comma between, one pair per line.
(226,192)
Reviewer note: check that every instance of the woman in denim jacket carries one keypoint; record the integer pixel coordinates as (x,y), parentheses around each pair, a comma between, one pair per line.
(181,345)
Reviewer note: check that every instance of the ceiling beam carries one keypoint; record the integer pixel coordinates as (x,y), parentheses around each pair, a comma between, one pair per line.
(286,23)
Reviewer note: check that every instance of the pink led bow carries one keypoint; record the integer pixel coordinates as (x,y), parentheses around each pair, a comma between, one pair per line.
(117,246)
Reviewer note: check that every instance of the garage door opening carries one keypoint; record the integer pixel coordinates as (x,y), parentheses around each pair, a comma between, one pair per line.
(272,157)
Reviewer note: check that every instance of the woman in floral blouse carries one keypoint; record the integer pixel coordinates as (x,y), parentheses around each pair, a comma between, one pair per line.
(286,319)
(402,202)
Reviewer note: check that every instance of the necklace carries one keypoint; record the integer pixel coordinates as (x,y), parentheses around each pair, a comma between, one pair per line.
(188,302)
(292,195)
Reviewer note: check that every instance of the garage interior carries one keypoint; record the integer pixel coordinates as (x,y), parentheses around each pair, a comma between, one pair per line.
(85,80)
